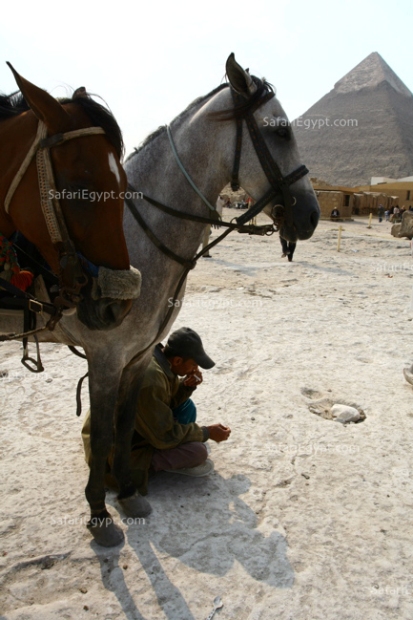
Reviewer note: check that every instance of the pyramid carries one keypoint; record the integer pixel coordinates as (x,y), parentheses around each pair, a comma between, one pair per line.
(360,129)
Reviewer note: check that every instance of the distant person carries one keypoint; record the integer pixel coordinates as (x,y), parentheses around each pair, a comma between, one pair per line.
(207,232)
(288,249)
(396,215)
(387,215)
(380,213)
(335,214)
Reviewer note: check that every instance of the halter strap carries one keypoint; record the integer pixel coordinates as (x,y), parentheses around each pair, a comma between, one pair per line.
(278,182)
(26,162)
(188,178)
(43,142)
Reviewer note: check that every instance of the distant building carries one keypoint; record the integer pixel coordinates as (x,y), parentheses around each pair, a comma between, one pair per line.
(350,201)
(400,190)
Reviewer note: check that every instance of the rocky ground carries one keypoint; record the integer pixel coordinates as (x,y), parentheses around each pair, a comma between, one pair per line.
(304,518)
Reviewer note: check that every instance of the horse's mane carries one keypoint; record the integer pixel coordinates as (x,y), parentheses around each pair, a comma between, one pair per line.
(197,102)
(15,104)
(231,113)
(12,105)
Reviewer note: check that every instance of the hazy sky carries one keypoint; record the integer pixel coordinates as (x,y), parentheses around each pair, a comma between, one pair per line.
(149,60)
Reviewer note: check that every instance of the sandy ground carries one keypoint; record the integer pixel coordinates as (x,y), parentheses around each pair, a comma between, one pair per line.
(304,518)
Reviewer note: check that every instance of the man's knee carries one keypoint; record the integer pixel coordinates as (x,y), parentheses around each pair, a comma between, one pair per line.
(200,453)
(186,455)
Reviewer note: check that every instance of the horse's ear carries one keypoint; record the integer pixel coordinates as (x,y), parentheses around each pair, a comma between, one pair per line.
(240,80)
(80,92)
(45,107)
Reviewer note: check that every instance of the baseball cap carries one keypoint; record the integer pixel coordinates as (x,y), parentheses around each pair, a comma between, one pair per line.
(185,342)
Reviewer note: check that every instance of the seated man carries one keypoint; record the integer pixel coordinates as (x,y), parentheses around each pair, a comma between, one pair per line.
(335,214)
(166,436)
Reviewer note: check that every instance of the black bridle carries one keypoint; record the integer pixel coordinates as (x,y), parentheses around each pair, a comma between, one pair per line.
(279,184)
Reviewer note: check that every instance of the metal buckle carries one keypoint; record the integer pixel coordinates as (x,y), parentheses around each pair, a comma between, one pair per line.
(51,141)
(35,306)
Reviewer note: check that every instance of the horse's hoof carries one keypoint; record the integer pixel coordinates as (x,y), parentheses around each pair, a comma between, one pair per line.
(408,375)
(105,532)
(135,505)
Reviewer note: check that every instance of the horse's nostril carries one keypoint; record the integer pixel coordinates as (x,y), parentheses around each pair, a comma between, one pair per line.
(314,219)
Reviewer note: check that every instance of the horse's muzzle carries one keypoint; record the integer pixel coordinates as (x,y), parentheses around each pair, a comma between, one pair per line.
(306,214)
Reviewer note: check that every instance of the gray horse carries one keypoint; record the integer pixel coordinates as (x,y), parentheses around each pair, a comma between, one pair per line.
(203,138)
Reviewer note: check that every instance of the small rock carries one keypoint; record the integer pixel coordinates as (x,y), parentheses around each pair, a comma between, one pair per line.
(345,413)
(85,607)
(83,590)
(125,566)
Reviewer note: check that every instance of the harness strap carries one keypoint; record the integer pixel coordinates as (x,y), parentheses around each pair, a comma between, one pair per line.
(44,142)
(31,307)
(25,164)
(214,219)
(238,147)
(203,220)
(258,207)
(279,183)
(53,216)
(188,178)
(59,138)
(34,304)
(79,393)
(188,264)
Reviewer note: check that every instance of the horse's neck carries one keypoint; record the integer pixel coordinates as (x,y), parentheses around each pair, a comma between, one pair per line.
(155,172)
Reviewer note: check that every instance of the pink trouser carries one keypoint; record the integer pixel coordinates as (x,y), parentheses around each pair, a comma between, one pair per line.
(188,454)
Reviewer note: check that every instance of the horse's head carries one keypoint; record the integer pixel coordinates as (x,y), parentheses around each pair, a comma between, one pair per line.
(269,157)
(86,183)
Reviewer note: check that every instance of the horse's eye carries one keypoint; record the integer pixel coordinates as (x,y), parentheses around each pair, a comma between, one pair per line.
(282,132)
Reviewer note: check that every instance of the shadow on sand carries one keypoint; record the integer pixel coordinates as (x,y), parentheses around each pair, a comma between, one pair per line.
(206,525)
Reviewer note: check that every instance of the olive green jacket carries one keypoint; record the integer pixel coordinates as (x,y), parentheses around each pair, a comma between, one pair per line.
(155,426)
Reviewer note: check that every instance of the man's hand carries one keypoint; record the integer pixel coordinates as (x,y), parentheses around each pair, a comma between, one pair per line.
(193,379)
(218,432)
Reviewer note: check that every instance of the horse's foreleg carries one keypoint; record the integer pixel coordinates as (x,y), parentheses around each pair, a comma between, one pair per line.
(103,388)
(131,501)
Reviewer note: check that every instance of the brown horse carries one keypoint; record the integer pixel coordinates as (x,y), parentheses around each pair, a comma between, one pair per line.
(62,186)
